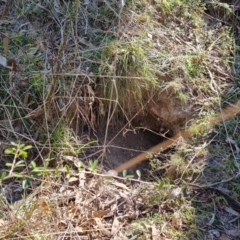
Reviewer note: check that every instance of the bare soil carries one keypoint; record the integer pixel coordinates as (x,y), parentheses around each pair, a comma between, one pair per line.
(120,145)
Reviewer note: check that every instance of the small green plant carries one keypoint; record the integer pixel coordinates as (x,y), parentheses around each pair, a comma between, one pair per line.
(39,170)
(139,174)
(126,175)
(18,151)
(93,165)
(164,183)
(68,170)
(2,176)
(79,166)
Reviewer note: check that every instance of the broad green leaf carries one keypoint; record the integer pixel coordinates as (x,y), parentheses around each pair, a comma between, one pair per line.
(9,151)
(25,183)
(33,164)
(14,144)
(129,176)
(42,170)
(18,175)
(9,164)
(20,163)
(45,164)
(56,171)
(161,184)
(27,147)
(23,154)
(124,173)
(21,146)
(78,164)
(139,173)
(67,168)
(95,163)
(3,175)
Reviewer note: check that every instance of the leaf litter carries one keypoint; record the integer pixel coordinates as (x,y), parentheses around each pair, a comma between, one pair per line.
(95,206)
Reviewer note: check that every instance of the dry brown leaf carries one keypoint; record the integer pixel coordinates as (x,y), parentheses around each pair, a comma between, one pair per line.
(118,184)
(120,236)
(12,64)
(72,207)
(234,232)
(176,220)
(102,228)
(115,226)
(174,193)
(41,46)
(111,173)
(211,220)
(225,237)
(23,83)
(101,108)
(93,120)
(81,229)
(231,211)
(73,181)
(171,172)
(214,233)
(90,92)
(2,222)
(233,142)
(124,195)
(82,179)
(5,44)
(32,51)
(44,206)
(155,232)
(101,213)
(4,10)
(36,113)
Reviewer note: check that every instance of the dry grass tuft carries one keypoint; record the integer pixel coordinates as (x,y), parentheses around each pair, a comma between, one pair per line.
(86,206)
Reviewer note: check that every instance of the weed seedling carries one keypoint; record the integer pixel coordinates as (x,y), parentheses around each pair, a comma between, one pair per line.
(93,165)
(126,175)
(79,166)
(18,151)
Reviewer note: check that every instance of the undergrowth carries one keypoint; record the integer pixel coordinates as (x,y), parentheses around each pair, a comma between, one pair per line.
(78,66)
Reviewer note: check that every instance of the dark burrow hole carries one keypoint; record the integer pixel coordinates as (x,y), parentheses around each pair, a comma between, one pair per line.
(119,146)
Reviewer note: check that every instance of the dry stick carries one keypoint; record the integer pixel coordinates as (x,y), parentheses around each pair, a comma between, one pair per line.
(109,116)
(226,114)
(4,10)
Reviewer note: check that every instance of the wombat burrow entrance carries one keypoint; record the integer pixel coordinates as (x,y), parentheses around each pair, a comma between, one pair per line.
(121,145)
(135,128)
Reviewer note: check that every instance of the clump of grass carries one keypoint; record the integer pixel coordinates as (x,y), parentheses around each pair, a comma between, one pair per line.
(128,72)
(158,60)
